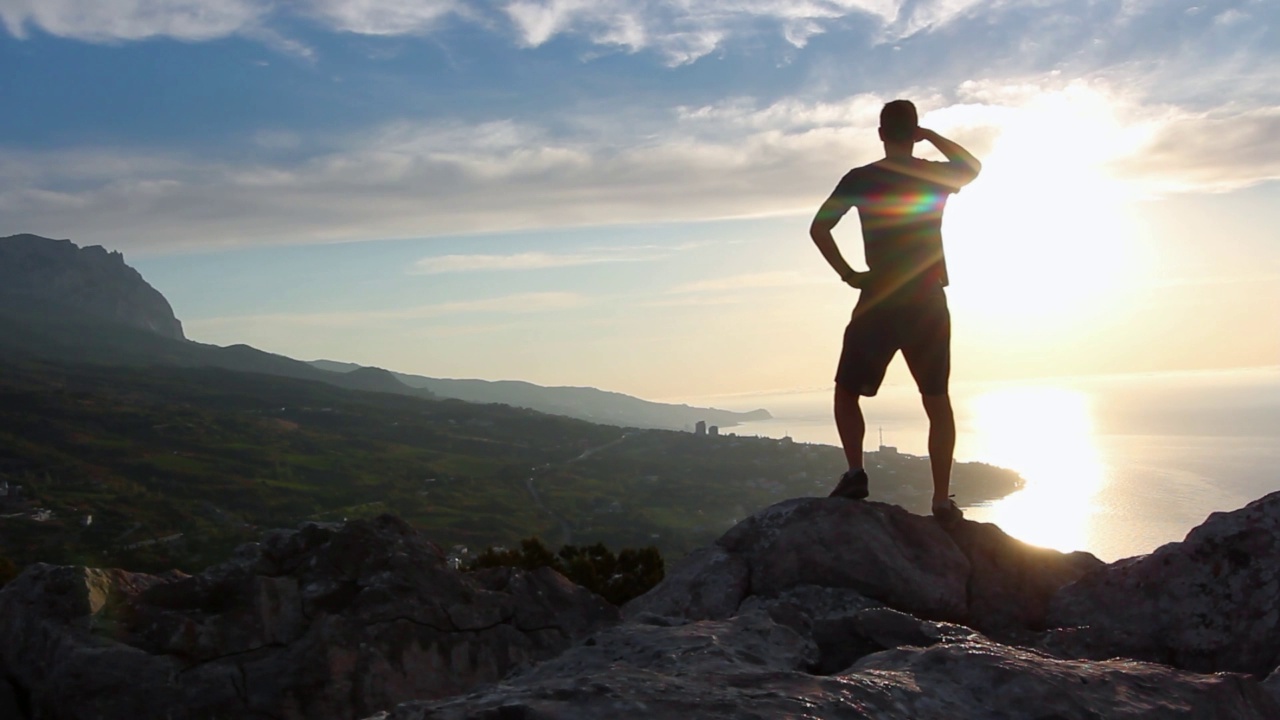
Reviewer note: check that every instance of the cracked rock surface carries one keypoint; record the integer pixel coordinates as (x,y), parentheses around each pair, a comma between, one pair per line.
(1209,603)
(323,622)
(831,608)
(751,667)
(814,608)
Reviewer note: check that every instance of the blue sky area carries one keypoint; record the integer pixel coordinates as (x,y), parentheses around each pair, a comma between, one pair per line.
(617,193)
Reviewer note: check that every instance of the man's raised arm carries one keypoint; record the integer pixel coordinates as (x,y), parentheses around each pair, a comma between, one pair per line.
(965,166)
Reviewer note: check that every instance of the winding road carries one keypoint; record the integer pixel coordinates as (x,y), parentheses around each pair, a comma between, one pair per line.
(566,530)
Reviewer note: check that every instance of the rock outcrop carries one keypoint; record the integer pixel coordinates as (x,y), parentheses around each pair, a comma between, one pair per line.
(816,608)
(89,280)
(322,622)
(813,608)
(972,574)
(1209,603)
(751,667)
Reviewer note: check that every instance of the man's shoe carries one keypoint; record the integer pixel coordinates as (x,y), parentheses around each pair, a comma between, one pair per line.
(853,485)
(948,514)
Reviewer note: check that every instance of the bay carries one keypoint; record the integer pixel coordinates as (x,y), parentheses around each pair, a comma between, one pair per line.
(1115,465)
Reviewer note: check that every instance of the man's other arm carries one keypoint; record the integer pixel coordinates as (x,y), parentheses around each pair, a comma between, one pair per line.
(820,230)
(963,166)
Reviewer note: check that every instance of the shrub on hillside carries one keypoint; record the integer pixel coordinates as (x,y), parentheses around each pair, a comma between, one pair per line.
(616,578)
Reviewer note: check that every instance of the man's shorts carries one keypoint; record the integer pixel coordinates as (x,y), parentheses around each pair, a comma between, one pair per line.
(920,328)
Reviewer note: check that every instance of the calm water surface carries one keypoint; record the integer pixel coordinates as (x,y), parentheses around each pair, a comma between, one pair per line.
(1116,466)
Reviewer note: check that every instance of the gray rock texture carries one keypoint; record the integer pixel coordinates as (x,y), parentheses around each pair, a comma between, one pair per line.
(751,667)
(1272,684)
(90,280)
(970,573)
(814,608)
(1209,603)
(322,622)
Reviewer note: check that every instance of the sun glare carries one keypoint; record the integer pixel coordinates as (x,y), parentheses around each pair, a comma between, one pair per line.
(1046,434)
(1045,234)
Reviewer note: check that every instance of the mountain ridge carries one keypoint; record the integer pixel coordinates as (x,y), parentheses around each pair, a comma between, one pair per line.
(61,301)
(583,402)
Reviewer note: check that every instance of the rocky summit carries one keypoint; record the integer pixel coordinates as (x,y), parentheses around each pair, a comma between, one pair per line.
(37,271)
(321,622)
(815,608)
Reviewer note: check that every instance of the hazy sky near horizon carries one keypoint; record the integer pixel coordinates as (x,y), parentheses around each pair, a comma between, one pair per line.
(617,194)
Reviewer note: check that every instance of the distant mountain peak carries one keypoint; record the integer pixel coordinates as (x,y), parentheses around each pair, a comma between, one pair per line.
(92,280)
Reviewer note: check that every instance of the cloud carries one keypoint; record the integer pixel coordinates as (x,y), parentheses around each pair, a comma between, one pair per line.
(733,159)
(383,17)
(527,261)
(519,304)
(428,179)
(114,20)
(745,281)
(682,31)
(1216,151)
(679,31)
(280,43)
(972,36)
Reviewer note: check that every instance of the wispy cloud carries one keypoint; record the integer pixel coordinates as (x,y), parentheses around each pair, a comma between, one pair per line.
(529,261)
(745,281)
(1220,150)
(115,20)
(383,17)
(519,304)
(677,31)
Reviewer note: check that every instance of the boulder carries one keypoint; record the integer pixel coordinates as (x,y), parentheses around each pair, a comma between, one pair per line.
(882,551)
(1209,603)
(846,626)
(707,584)
(1011,583)
(1272,684)
(970,573)
(328,621)
(751,667)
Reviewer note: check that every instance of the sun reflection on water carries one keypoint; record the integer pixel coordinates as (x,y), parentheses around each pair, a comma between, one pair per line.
(1047,435)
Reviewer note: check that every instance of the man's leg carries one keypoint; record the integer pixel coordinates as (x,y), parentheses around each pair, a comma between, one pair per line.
(928,354)
(864,355)
(942,444)
(850,425)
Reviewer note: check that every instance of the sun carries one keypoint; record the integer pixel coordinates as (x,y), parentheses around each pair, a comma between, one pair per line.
(1046,234)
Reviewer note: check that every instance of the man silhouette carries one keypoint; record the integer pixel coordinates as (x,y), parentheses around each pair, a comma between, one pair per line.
(902,305)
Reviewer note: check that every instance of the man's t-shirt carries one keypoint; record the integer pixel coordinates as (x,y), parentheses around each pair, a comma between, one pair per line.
(900,206)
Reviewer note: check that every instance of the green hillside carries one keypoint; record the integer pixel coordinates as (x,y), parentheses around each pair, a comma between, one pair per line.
(176,466)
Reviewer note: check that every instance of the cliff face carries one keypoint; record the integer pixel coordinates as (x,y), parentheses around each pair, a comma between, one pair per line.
(90,280)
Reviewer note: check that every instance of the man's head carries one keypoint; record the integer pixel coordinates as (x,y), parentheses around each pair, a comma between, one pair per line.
(898,122)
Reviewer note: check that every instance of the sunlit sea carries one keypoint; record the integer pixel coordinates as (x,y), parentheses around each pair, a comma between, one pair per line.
(1116,466)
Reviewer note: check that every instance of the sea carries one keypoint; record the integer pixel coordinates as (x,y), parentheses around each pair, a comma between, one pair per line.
(1116,465)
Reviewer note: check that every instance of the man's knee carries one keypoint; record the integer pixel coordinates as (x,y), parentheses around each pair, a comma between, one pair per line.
(846,394)
(938,407)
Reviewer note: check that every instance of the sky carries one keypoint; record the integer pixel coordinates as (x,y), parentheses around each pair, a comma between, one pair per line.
(617,194)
